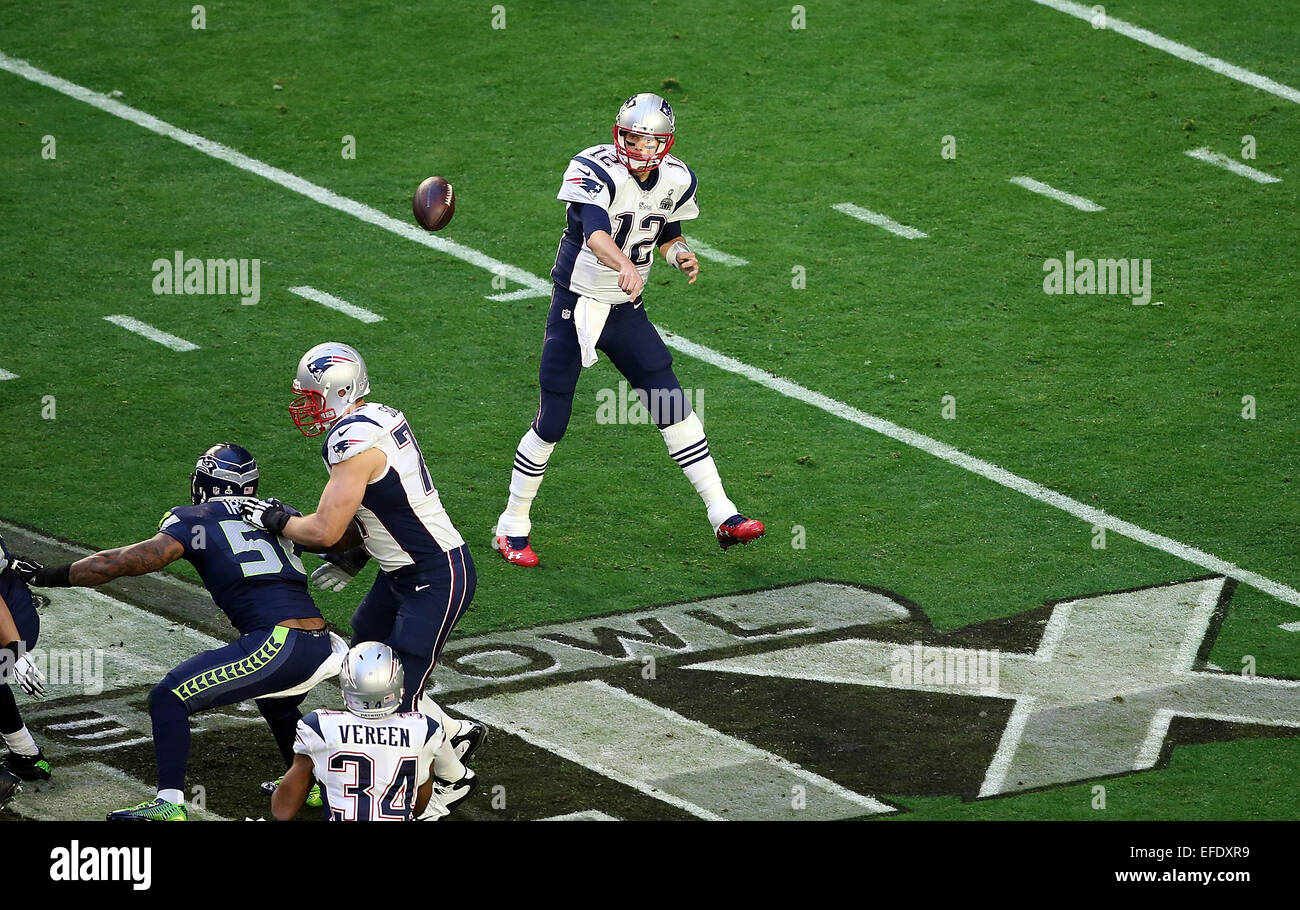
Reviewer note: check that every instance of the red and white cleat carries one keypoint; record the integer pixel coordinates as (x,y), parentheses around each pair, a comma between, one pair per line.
(739,529)
(516,550)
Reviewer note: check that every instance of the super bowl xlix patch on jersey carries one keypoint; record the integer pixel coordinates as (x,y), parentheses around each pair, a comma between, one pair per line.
(638,212)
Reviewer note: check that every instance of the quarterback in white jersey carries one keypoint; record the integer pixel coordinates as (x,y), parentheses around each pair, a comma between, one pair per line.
(373,762)
(625,200)
(380,501)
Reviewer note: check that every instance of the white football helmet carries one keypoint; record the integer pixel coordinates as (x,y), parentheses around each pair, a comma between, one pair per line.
(646,115)
(372,680)
(331,376)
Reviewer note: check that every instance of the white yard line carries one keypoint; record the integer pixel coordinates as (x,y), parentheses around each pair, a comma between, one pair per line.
(1182,51)
(1231,164)
(882,221)
(145,330)
(704,251)
(785,387)
(285,179)
(5,374)
(336,303)
(1051,192)
(945,452)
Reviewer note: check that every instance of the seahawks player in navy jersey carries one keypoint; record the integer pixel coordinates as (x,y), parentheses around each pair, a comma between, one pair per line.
(20,625)
(380,485)
(258,580)
(625,200)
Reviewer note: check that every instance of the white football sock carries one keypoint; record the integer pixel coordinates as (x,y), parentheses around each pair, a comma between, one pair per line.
(172,796)
(426,705)
(689,448)
(530,464)
(21,742)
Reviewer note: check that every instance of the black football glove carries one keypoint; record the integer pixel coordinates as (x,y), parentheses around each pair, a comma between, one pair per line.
(267,514)
(40,575)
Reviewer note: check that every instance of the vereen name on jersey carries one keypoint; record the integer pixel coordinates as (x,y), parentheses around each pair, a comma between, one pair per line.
(361,735)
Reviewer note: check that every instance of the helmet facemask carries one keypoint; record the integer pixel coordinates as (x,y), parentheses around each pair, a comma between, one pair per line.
(640,159)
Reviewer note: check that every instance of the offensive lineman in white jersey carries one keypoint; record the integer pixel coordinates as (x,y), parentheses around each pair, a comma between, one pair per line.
(374,763)
(624,200)
(381,499)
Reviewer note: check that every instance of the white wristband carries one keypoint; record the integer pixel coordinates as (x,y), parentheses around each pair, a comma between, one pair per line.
(675,252)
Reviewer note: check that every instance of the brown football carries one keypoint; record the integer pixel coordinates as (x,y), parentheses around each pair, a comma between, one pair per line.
(434,204)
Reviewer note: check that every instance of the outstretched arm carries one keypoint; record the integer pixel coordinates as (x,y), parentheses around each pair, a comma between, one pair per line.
(138,559)
(339,502)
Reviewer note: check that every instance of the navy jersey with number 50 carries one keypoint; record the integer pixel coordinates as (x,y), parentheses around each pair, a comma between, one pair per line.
(255,577)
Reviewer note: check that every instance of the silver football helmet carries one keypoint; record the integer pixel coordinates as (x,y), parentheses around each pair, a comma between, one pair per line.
(331,376)
(651,118)
(372,680)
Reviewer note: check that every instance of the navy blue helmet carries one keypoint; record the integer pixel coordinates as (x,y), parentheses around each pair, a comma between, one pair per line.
(223,470)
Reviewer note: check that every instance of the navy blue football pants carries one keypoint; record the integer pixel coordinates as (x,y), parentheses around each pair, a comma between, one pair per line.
(632,345)
(413,610)
(268,660)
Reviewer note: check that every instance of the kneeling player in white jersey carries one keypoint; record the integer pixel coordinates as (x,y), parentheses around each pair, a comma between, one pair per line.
(381,496)
(624,200)
(373,763)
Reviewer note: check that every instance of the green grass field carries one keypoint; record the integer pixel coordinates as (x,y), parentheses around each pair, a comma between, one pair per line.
(1135,410)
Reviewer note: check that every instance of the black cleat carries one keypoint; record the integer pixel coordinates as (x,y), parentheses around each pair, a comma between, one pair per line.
(472,735)
(26,767)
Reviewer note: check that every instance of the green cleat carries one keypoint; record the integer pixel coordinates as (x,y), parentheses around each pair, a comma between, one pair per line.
(313,795)
(154,810)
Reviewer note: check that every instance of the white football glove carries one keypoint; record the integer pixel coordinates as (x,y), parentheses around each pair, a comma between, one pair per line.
(267,514)
(331,578)
(339,569)
(29,676)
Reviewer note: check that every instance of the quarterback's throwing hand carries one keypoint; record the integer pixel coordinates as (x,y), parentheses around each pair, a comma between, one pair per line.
(267,514)
(630,280)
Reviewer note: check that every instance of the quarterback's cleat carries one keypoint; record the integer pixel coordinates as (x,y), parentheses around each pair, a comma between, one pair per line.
(471,736)
(10,786)
(154,810)
(516,550)
(26,767)
(739,529)
(313,795)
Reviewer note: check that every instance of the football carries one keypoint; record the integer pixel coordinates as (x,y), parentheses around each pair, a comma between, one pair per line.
(434,204)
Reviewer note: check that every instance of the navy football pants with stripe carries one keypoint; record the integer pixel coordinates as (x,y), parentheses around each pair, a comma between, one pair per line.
(632,345)
(413,611)
(268,660)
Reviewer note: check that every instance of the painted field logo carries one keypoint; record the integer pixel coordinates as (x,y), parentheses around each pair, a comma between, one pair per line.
(179,275)
(1125,277)
(920,666)
(76,863)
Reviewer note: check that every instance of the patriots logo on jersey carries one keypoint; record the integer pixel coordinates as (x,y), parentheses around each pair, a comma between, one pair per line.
(587,183)
(342,445)
(318,366)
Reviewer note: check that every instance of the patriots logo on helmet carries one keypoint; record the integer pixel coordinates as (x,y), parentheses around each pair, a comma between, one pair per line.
(667,109)
(318,366)
(587,183)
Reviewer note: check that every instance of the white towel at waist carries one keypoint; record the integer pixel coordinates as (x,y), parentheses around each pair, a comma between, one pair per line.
(589,319)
